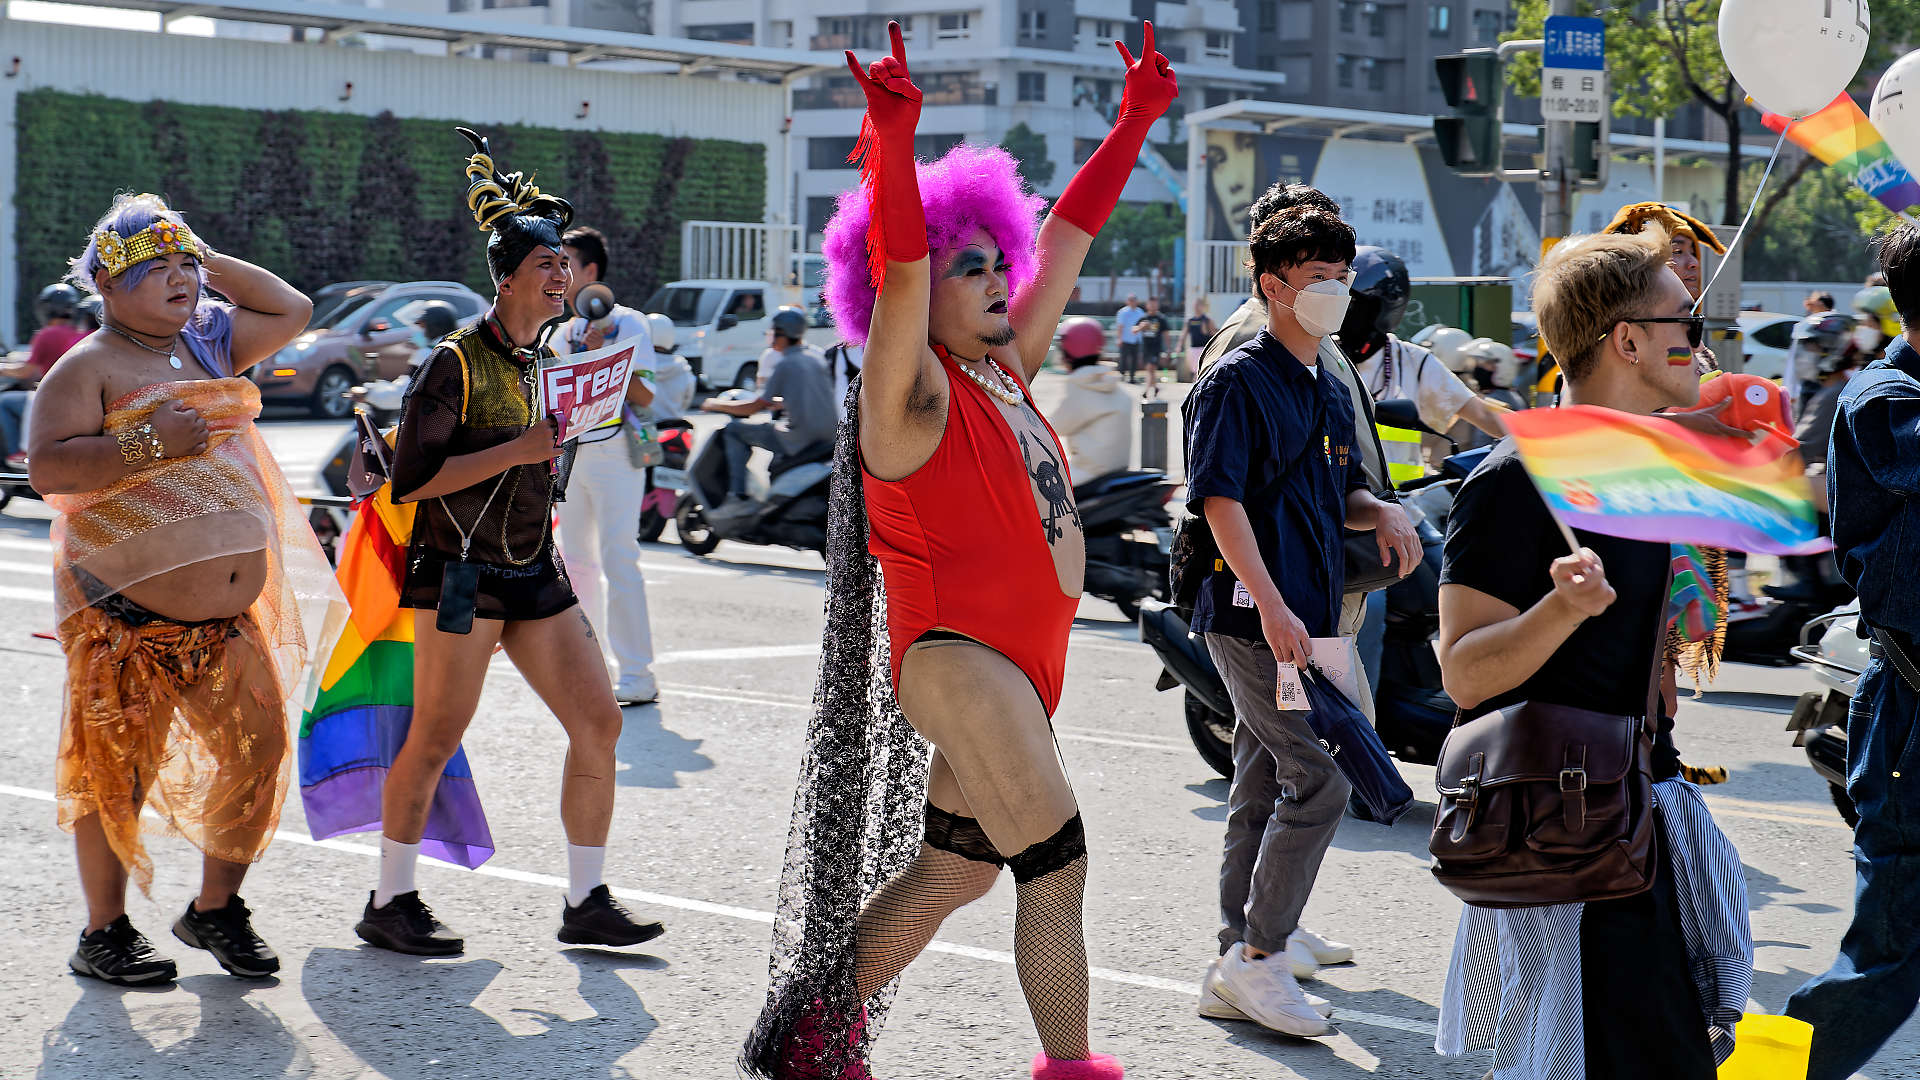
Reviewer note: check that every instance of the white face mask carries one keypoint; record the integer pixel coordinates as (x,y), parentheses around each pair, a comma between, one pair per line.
(1321,306)
(1866,338)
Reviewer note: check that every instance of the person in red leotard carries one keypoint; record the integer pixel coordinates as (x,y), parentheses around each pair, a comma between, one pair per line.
(965,502)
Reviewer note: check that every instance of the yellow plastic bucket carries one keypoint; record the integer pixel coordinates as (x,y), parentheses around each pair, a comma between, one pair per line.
(1769,1048)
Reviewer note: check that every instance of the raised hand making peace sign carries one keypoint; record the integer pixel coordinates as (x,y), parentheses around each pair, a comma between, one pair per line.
(1151,84)
(893,102)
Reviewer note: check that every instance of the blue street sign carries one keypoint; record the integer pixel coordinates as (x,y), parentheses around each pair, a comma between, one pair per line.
(1575,41)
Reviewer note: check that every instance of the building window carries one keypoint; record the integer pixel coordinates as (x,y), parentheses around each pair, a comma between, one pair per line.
(1266,62)
(1219,45)
(1269,16)
(1376,73)
(1347,24)
(830,152)
(1032,86)
(1376,19)
(1439,20)
(1103,29)
(951,26)
(725,33)
(1033,25)
(1343,71)
(1486,27)
(934,147)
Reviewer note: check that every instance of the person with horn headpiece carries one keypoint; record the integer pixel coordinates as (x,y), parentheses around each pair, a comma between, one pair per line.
(950,488)
(186,583)
(475,452)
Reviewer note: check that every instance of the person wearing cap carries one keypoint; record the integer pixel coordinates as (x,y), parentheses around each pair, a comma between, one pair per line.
(1095,419)
(58,333)
(800,386)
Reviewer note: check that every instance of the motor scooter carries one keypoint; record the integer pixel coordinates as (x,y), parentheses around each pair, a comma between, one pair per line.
(788,505)
(666,481)
(1128,533)
(1833,647)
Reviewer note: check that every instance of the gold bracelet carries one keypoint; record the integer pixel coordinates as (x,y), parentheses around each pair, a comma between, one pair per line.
(139,443)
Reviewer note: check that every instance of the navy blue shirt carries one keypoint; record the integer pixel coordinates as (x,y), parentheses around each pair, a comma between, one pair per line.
(1276,436)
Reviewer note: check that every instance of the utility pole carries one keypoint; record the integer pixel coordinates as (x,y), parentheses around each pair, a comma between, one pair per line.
(1556,168)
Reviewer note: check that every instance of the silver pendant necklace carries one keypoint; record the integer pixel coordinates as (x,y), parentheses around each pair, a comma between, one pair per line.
(169,352)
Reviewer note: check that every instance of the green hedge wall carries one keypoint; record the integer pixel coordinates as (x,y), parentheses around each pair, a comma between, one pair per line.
(320,197)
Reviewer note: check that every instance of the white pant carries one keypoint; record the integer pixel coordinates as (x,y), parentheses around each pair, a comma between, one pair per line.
(599,534)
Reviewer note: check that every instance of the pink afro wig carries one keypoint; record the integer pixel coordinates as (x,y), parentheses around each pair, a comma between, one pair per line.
(972,187)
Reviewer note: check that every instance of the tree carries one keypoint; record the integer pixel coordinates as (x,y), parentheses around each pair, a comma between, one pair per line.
(1029,150)
(1137,238)
(1665,53)
(1817,231)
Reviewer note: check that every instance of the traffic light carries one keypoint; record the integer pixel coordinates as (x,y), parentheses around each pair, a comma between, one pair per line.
(1470,139)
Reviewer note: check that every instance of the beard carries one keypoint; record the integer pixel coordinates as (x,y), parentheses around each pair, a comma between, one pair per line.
(1002,336)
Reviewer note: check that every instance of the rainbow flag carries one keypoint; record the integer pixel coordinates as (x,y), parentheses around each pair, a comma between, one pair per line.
(1840,135)
(358,720)
(1645,478)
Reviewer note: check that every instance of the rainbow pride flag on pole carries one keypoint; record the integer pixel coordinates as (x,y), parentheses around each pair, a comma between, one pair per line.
(1841,136)
(359,718)
(1645,478)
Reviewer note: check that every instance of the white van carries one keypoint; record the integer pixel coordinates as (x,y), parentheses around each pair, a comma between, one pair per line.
(720,326)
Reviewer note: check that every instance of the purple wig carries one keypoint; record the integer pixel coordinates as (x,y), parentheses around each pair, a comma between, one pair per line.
(971,188)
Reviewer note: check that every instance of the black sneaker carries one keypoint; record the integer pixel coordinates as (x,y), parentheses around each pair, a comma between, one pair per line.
(407,925)
(601,920)
(117,953)
(228,934)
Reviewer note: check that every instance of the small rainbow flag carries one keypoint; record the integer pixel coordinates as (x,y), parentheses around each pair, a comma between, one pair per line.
(358,721)
(1645,478)
(1840,135)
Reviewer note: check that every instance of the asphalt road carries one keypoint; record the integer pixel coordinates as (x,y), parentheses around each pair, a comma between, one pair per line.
(706,782)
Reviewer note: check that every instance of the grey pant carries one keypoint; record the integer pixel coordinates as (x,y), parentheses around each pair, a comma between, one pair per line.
(738,439)
(1286,800)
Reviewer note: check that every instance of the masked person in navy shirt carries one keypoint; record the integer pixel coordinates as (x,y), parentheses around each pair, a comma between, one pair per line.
(1272,464)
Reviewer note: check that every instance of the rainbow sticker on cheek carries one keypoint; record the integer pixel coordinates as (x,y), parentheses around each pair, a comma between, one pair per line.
(1678,357)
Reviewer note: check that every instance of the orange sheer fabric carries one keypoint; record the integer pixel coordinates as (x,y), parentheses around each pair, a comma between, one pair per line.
(198,714)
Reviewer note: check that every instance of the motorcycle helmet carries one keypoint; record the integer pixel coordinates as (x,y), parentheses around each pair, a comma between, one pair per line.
(1448,345)
(1380,293)
(790,322)
(1875,302)
(1081,337)
(88,311)
(1488,355)
(56,301)
(660,329)
(436,319)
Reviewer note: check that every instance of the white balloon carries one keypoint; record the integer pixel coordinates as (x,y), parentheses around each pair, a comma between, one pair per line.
(1896,110)
(1793,57)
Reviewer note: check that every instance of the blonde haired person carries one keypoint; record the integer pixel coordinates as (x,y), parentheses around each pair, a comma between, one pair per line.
(1524,619)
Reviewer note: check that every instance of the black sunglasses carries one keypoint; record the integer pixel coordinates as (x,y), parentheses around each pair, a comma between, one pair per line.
(1696,326)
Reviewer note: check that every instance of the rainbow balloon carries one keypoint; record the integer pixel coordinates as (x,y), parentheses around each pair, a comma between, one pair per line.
(1645,478)
(1841,136)
(359,719)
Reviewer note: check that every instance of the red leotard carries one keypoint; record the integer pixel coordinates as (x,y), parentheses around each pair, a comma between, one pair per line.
(961,545)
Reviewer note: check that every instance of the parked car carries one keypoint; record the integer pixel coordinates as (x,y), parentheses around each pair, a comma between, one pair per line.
(1767,342)
(720,327)
(364,332)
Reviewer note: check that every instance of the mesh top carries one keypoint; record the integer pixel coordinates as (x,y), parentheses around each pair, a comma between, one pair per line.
(476,392)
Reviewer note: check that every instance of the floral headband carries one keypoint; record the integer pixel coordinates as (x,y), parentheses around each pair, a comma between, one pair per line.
(118,253)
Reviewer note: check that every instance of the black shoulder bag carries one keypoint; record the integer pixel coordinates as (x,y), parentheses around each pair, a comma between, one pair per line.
(1364,572)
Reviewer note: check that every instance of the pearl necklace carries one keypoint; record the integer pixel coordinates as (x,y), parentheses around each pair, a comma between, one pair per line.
(1005,388)
(169,352)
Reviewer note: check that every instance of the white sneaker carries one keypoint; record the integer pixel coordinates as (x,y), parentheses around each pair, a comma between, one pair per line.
(1215,1007)
(1265,992)
(1300,960)
(1325,953)
(637,690)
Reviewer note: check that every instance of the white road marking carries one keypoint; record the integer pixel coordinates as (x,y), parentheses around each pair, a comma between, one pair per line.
(31,569)
(10,543)
(729,911)
(36,596)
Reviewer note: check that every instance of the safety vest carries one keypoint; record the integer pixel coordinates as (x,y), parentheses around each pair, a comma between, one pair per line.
(1400,447)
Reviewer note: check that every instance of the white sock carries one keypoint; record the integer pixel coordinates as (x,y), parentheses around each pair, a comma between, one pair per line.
(397,861)
(585,866)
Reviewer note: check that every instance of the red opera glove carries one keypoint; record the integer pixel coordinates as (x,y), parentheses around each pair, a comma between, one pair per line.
(897,228)
(1093,192)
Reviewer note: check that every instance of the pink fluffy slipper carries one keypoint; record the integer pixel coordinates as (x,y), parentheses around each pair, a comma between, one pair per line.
(1097,1067)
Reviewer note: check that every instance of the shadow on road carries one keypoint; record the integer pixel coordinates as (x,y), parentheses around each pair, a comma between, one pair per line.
(408,1019)
(650,755)
(1399,1053)
(1733,699)
(193,1028)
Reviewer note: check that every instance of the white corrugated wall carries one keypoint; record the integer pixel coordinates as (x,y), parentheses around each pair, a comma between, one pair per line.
(263,75)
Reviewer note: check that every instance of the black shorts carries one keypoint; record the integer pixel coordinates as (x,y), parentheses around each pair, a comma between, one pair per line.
(538,590)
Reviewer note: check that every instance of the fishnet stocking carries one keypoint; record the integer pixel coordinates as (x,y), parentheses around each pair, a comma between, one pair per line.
(1050,953)
(902,917)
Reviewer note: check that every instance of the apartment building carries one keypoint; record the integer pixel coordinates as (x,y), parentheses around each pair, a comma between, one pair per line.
(1365,54)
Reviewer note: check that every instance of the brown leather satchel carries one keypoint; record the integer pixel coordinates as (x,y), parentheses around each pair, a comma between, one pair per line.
(1548,804)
